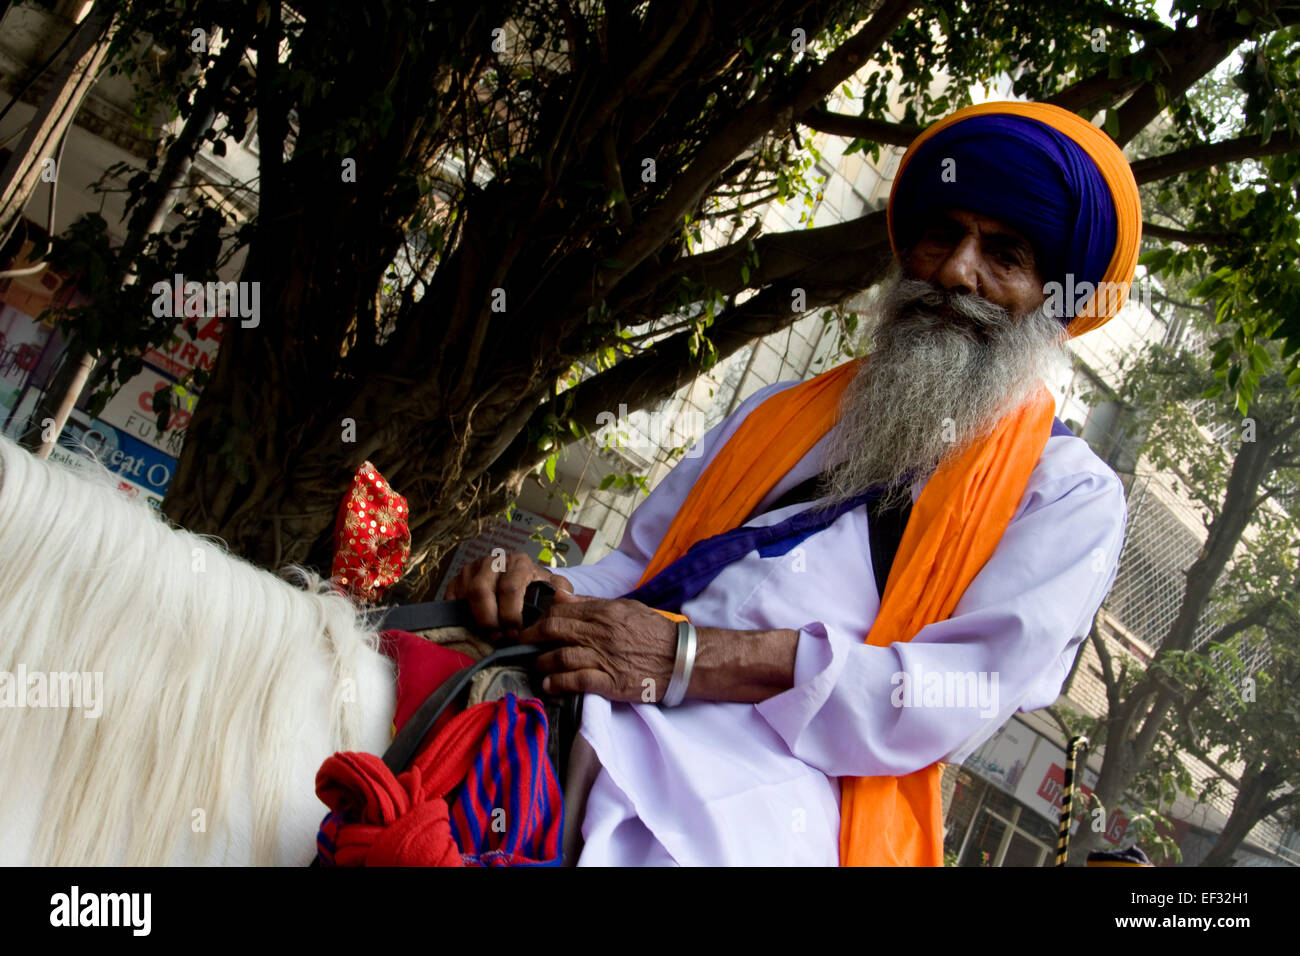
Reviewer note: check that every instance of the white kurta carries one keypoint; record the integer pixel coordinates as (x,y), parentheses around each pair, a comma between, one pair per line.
(734,784)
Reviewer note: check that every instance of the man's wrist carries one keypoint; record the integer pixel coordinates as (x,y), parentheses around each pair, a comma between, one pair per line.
(683,664)
(742,666)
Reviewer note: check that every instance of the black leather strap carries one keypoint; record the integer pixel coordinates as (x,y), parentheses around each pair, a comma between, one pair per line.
(419,617)
(427,616)
(402,750)
(435,614)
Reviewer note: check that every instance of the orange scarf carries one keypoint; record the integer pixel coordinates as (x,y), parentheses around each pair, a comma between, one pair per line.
(954,527)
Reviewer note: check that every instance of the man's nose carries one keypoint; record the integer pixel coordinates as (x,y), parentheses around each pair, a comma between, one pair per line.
(959,273)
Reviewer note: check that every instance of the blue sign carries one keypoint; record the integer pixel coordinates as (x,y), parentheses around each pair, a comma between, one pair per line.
(128,457)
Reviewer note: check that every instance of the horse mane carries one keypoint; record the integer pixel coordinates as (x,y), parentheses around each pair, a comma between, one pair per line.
(216,675)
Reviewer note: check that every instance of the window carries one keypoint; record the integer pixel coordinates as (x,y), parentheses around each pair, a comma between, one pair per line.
(1006,833)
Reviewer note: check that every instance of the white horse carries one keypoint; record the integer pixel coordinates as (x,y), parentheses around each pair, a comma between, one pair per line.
(224,687)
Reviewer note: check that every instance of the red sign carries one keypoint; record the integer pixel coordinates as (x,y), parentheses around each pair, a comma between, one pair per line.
(1052,789)
(131,410)
(184,353)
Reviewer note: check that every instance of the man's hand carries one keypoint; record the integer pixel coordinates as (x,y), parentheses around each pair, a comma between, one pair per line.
(496,597)
(619,649)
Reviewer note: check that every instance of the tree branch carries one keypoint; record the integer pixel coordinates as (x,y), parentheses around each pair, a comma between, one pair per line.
(1168,234)
(1190,306)
(852,254)
(1154,168)
(767,112)
(1107,666)
(1278,802)
(1066,732)
(1255,617)
(1183,55)
(1188,58)
(664,367)
(859,127)
(1139,25)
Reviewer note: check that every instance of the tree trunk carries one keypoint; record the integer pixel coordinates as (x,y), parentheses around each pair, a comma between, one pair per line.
(443,409)
(443,406)
(455,469)
(58,400)
(1249,809)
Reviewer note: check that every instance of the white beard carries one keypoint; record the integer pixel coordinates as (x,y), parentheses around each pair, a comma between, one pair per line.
(943,371)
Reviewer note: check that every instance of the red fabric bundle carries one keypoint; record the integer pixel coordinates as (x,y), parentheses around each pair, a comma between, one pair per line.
(403,821)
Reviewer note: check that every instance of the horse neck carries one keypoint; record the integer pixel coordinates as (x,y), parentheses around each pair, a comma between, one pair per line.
(302,810)
(224,687)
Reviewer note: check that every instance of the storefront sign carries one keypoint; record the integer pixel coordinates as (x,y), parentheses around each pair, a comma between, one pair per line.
(131,410)
(185,352)
(1003,757)
(141,468)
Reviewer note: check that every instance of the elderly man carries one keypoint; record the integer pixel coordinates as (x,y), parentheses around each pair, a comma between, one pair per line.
(799,706)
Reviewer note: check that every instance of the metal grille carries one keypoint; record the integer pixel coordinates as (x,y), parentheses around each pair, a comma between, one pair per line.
(1149,587)
(1158,550)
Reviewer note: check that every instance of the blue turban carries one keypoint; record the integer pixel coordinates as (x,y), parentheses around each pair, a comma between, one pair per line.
(1041,177)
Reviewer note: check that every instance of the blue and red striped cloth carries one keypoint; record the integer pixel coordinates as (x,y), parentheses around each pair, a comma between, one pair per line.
(481,791)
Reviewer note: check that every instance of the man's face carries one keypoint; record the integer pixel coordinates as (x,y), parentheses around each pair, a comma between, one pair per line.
(965,253)
(959,339)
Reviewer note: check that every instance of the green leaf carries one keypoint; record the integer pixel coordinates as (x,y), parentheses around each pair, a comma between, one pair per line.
(550,467)
(1259,358)
(1156,259)
(1206,287)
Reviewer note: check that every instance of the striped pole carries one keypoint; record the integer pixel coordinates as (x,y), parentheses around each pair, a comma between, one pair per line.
(1067,798)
